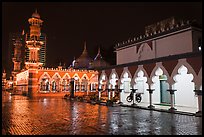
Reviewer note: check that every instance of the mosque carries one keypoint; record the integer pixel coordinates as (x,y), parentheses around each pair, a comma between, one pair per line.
(36,80)
(164,66)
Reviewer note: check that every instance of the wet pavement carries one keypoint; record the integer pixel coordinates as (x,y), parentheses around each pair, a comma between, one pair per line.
(57,116)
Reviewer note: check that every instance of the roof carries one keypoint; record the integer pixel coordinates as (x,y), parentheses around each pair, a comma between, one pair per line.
(84,60)
(36,15)
(98,61)
(177,27)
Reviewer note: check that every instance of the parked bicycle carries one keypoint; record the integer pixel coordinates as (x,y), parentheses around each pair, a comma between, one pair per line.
(138,97)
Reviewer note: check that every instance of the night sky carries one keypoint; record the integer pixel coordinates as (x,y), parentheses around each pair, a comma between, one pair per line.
(68,25)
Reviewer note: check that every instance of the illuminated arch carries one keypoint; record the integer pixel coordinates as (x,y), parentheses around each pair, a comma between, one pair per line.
(187,65)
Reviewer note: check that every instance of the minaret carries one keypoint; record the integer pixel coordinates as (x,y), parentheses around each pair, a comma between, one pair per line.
(33,43)
(17,57)
(3,80)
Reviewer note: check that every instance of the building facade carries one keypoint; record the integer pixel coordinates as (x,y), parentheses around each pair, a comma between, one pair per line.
(165,38)
(167,57)
(35,80)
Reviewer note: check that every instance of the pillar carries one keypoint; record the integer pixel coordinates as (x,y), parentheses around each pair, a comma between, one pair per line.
(109,94)
(120,90)
(99,94)
(113,93)
(32,83)
(171,91)
(198,93)
(150,98)
(72,84)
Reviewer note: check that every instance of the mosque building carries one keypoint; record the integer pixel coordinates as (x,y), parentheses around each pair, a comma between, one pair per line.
(164,66)
(36,80)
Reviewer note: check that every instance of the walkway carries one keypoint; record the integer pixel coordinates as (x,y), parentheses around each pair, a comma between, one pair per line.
(57,116)
(180,109)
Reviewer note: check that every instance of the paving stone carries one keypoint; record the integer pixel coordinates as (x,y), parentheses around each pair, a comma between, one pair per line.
(57,116)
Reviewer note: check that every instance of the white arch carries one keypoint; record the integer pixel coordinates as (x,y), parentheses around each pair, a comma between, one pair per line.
(164,71)
(56,75)
(141,68)
(66,74)
(184,96)
(103,77)
(140,83)
(125,69)
(188,66)
(156,85)
(113,77)
(43,75)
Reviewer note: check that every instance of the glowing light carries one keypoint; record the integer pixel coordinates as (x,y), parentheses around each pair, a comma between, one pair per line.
(199,48)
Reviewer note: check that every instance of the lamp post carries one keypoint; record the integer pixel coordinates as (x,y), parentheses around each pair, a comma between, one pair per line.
(150,98)
(199,94)
(171,91)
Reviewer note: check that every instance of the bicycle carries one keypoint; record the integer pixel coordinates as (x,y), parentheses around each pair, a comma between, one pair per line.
(138,97)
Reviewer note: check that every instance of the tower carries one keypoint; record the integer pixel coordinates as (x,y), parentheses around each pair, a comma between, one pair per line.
(17,57)
(3,80)
(33,45)
(33,42)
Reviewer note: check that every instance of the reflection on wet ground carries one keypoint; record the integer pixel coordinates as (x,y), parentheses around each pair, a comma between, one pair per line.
(57,116)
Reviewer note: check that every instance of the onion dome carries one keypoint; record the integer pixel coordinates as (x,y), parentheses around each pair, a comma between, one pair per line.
(83,61)
(98,61)
(36,15)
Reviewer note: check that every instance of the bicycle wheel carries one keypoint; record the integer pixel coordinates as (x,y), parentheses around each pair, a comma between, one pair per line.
(128,99)
(138,99)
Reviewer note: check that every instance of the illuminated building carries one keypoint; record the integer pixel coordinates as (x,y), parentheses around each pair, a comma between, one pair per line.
(168,37)
(42,51)
(35,80)
(164,65)
(83,61)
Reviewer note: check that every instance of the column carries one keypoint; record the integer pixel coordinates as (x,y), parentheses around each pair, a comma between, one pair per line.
(171,91)
(150,98)
(32,83)
(198,93)
(99,94)
(108,94)
(120,90)
(113,93)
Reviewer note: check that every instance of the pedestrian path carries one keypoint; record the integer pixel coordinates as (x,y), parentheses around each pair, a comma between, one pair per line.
(179,109)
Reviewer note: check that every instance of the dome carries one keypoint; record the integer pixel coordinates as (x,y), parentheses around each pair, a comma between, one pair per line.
(36,15)
(98,61)
(83,61)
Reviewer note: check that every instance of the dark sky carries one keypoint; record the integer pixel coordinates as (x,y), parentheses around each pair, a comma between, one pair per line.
(68,25)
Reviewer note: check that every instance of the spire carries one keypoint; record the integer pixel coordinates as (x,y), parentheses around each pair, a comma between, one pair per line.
(23,32)
(98,56)
(85,46)
(36,11)
(99,50)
